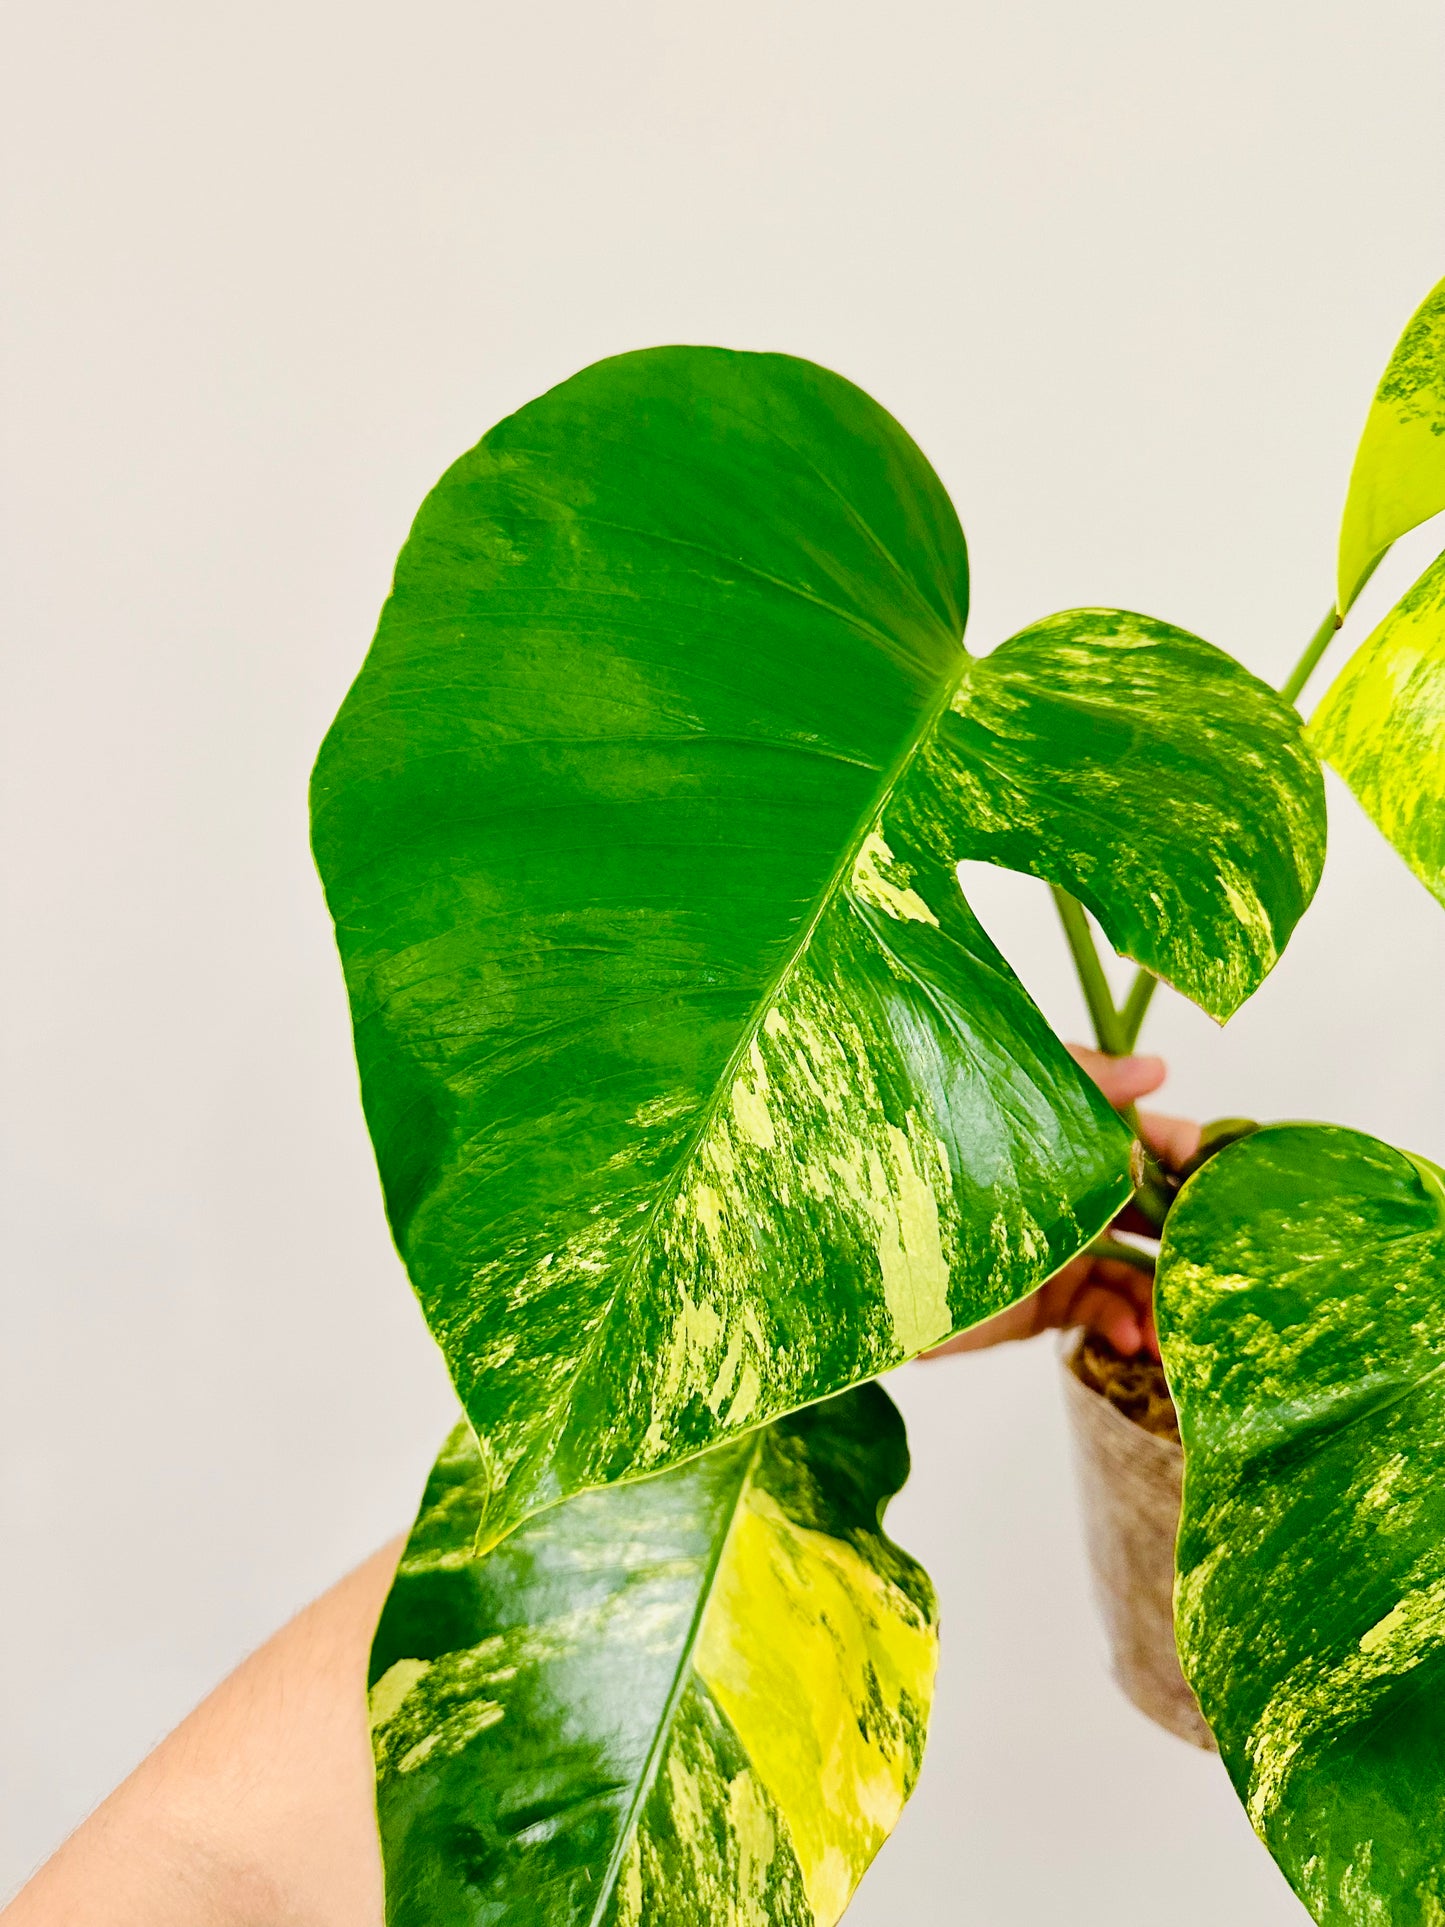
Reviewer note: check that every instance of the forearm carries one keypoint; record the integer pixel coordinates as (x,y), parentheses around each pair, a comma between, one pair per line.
(257,1809)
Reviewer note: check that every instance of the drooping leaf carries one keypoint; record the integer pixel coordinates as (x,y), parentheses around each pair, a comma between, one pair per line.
(1398,480)
(1155,779)
(697,1091)
(1382,726)
(697,1700)
(1301,1302)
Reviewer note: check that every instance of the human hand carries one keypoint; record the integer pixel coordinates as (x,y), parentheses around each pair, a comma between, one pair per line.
(1107,1296)
(259,1808)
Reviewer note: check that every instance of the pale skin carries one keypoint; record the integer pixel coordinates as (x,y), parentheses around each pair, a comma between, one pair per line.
(257,1811)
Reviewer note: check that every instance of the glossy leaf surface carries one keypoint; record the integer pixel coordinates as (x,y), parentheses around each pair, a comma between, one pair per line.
(699,1698)
(1382,726)
(1398,479)
(696,1089)
(1157,780)
(1301,1304)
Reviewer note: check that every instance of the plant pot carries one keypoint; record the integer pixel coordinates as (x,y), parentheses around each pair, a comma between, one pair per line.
(1130,1479)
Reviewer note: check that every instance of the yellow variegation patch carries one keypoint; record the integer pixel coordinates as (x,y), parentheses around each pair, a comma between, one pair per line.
(1382,726)
(698,1093)
(698,1700)
(825,1671)
(1298,1296)
(1398,479)
(1152,777)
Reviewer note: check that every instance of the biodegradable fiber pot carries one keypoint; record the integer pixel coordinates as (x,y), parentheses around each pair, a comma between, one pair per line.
(1130,1480)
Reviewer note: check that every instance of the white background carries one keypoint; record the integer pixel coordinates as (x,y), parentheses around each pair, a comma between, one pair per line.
(1127,270)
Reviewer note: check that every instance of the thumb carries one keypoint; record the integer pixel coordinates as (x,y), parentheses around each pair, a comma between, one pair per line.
(1121,1079)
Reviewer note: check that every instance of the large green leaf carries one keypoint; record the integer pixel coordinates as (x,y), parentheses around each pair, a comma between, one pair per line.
(1301,1303)
(695,1093)
(1157,780)
(1382,726)
(1398,480)
(697,1090)
(699,1699)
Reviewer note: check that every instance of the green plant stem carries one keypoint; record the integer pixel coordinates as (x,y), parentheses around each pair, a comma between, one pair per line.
(1108,1024)
(1152,1195)
(1136,1004)
(1123,1254)
(1293,685)
(1108,1028)
(1295,681)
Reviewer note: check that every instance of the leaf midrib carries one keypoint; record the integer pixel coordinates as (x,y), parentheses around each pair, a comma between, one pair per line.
(678,1686)
(927,724)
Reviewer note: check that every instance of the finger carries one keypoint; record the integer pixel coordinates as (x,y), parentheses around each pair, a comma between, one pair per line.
(1111,1317)
(1135,1286)
(1173,1140)
(1125,1281)
(1104,1302)
(1121,1079)
(1056,1302)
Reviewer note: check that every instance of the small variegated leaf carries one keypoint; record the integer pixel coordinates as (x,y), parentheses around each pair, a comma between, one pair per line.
(696,1700)
(1154,778)
(1398,480)
(1382,726)
(1300,1291)
(697,1091)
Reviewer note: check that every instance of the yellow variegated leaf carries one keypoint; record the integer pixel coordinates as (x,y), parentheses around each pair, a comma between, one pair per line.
(1398,479)
(1155,779)
(1382,726)
(697,1700)
(697,1090)
(1299,1295)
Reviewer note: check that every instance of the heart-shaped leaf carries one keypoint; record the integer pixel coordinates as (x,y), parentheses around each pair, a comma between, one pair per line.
(1156,780)
(1382,726)
(696,1094)
(1398,480)
(1299,1296)
(697,1091)
(699,1698)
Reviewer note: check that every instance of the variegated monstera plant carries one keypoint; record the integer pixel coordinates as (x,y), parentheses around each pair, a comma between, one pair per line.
(700,1097)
